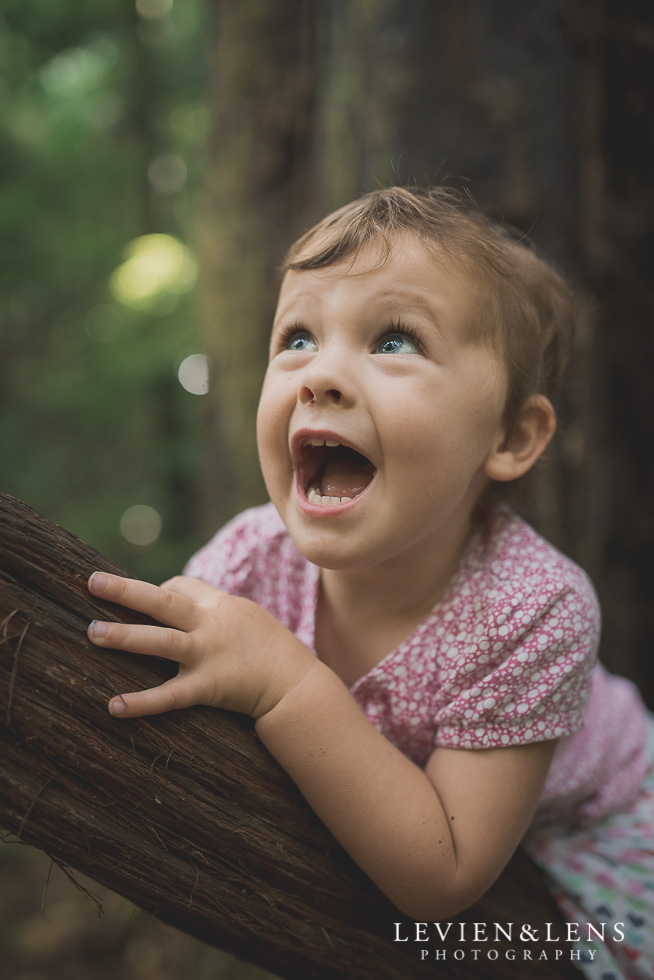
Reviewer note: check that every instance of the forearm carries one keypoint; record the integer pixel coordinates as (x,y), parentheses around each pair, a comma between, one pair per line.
(379,805)
(395,820)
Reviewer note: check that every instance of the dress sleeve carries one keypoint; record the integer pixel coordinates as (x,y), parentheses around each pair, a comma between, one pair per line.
(230,560)
(218,560)
(528,674)
(253,556)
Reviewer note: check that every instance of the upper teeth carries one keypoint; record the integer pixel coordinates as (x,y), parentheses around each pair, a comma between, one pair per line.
(313,441)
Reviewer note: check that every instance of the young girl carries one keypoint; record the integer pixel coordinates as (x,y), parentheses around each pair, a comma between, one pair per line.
(416,657)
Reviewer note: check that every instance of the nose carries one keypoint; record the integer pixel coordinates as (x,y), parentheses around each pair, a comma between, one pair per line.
(316,393)
(326,381)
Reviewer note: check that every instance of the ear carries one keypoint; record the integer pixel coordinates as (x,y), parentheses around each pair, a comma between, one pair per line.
(527,440)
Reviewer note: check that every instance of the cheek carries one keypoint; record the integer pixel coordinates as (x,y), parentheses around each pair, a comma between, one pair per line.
(265,426)
(267,444)
(444,435)
(270,460)
(269,403)
(272,431)
(261,424)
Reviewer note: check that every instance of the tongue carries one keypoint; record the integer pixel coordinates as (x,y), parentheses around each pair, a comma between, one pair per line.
(345,477)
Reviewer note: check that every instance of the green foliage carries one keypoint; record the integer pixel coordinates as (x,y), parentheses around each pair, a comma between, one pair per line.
(102,128)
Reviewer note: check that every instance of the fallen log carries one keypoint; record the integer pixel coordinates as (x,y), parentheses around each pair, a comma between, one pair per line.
(188,816)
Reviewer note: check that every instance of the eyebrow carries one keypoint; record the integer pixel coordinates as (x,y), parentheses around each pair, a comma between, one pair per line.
(413,303)
(408,301)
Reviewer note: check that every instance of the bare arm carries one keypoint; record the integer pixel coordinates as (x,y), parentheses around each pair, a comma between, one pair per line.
(432,840)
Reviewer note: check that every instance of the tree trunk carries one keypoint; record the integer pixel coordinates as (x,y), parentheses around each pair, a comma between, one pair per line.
(262,61)
(546,109)
(186,814)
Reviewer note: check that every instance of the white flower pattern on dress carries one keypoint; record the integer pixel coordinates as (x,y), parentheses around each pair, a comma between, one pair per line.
(506,657)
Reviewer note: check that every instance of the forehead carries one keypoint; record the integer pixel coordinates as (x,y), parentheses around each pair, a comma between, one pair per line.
(409,275)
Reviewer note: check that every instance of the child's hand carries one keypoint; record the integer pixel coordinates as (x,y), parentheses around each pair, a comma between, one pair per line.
(231,653)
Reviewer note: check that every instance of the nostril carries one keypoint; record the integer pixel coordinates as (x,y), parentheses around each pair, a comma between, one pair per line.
(308,395)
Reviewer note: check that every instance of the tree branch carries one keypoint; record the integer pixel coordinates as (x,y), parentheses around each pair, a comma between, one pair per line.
(186,814)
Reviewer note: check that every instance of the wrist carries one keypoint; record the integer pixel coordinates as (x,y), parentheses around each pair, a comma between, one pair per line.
(291,661)
(295,708)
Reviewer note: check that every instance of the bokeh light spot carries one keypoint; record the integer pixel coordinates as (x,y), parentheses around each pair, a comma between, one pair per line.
(193,373)
(167,174)
(152,9)
(140,525)
(72,70)
(156,268)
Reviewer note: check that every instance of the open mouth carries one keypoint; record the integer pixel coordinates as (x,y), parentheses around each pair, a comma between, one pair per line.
(332,473)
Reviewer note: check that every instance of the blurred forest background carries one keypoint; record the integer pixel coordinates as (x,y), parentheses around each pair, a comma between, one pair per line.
(159,156)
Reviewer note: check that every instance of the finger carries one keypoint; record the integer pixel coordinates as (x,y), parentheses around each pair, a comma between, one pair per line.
(173,694)
(193,588)
(163,605)
(151,641)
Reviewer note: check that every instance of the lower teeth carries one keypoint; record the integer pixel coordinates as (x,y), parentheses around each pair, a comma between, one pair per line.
(314,497)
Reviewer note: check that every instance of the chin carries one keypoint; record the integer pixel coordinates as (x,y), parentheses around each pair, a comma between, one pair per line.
(330,558)
(337,558)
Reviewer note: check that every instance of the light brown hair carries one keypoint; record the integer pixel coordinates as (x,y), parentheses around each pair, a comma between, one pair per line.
(525,310)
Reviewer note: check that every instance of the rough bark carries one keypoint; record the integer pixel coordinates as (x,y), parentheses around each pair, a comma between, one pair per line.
(186,814)
(258,196)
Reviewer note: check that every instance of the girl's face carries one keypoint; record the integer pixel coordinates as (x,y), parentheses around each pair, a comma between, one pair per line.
(377,414)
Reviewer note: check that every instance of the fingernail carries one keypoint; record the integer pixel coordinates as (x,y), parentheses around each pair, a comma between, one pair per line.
(98,582)
(98,630)
(117,706)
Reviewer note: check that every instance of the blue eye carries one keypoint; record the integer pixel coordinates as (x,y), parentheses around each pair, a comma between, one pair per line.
(397,343)
(300,341)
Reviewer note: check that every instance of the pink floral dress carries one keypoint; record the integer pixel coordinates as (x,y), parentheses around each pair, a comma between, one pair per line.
(506,657)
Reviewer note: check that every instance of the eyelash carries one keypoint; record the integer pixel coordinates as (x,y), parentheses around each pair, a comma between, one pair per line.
(290,330)
(405,330)
(286,333)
